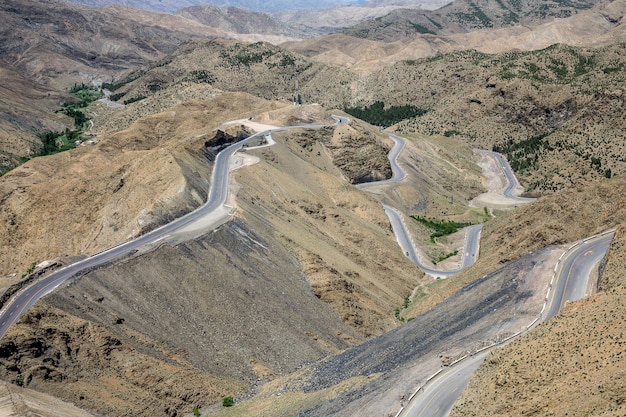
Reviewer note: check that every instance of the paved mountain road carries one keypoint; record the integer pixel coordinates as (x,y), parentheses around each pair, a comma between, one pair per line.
(572,276)
(218,194)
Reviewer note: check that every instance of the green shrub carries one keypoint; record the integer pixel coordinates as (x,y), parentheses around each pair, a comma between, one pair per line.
(441,228)
(228,401)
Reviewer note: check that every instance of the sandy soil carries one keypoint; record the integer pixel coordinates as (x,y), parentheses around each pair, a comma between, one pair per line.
(495,182)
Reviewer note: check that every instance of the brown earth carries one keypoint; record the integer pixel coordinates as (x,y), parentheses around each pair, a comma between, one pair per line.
(561,105)
(340,250)
(95,197)
(559,219)
(85,363)
(598,26)
(307,244)
(16,401)
(572,365)
(558,129)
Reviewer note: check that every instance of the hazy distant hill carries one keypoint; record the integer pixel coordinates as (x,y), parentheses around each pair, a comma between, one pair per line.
(238,20)
(46,47)
(464,16)
(171,6)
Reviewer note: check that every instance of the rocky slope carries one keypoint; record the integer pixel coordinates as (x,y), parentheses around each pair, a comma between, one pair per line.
(319,248)
(47,47)
(375,376)
(554,102)
(464,16)
(598,26)
(221,314)
(109,205)
(571,365)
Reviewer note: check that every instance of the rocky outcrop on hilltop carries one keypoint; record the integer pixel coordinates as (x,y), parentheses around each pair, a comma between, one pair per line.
(360,155)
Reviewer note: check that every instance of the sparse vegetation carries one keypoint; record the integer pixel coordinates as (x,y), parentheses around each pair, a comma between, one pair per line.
(524,155)
(30,270)
(441,227)
(444,257)
(55,142)
(134,99)
(202,76)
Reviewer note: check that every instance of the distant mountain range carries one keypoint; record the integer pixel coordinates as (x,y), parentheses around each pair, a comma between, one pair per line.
(270,6)
(171,6)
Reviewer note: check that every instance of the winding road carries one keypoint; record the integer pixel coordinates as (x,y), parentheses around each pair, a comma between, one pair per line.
(512,184)
(438,396)
(571,280)
(472,238)
(214,206)
(470,250)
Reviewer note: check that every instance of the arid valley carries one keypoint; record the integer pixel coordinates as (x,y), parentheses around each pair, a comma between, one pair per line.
(341,208)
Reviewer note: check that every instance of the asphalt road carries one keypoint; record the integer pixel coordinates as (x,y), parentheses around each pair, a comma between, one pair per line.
(438,396)
(398,173)
(510,177)
(580,261)
(470,250)
(472,239)
(216,199)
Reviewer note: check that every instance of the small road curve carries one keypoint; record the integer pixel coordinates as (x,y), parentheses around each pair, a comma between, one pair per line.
(512,184)
(470,249)
(398,173)
(218,194)
(438,396)
(571,279)
(580,261)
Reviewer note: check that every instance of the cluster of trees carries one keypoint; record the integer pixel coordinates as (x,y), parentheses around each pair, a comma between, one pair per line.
(440,227)
(377,114)
(524,155)
(55,142)
(75,109)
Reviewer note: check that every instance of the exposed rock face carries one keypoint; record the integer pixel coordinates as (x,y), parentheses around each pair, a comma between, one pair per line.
(87,364)
(359,154)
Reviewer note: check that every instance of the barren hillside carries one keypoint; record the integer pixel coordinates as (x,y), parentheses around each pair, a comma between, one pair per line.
(465,16)
(317,248)
(599,26)
(572,365)
(299,303)
(127,184)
